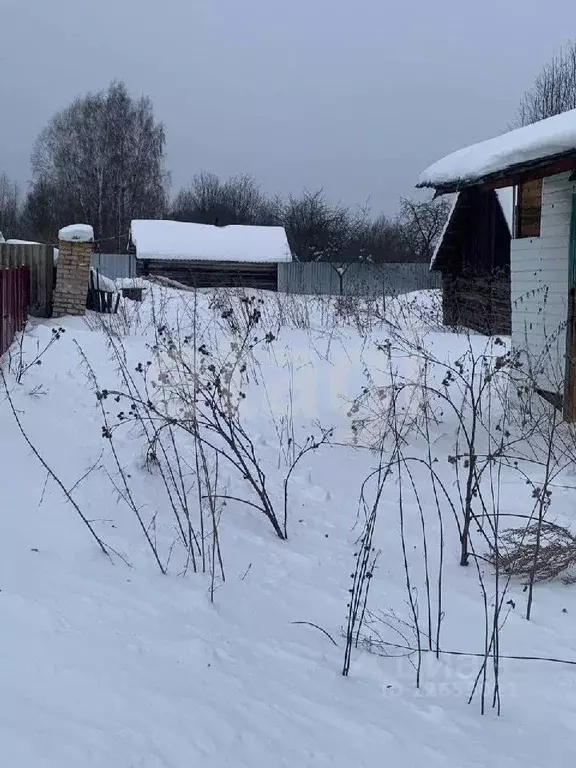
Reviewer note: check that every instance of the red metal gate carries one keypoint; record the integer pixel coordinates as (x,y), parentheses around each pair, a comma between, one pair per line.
(14,296)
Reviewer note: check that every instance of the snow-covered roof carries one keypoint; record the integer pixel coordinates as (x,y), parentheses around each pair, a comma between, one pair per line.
(77,233)
(546,139)
(157,239)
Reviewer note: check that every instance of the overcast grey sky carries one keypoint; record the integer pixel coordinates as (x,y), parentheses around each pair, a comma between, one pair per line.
(356,97)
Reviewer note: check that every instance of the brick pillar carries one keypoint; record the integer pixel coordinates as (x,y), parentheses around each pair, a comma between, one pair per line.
(73,272)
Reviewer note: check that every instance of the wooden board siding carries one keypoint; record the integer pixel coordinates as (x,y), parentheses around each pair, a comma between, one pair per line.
(529,209)
(479,303)
(212,274)
(539,285)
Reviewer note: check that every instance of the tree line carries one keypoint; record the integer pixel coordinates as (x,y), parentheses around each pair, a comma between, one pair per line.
(101,161)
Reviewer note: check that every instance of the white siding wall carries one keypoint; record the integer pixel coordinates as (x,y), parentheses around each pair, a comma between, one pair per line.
(539,285)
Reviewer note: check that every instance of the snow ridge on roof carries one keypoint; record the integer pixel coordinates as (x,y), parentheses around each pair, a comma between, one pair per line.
(160,239)
(544,139)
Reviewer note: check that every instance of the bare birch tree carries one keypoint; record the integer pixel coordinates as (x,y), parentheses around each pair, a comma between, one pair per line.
(9,207)
(102,161)
(421,225)
(553,90)
(208,200)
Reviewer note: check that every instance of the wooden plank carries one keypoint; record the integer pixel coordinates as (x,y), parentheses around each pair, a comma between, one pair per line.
(479,303)
(529,209)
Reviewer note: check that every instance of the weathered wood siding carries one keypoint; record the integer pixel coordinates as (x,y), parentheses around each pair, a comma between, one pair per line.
(539,284)
(479,303)
(529,209)
(40,262)
(212,274)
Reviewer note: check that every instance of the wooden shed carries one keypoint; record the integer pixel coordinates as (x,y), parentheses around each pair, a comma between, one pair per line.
(204,255)
(473,256)
(539,160)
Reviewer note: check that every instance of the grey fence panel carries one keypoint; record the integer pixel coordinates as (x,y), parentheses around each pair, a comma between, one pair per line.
(355,279)
(40,261)
(115,265)
(301,277)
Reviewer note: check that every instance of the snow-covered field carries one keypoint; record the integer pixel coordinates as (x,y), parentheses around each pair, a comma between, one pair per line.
(106,661)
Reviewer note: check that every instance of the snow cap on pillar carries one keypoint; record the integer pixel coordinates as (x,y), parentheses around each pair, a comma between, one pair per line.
(77,233)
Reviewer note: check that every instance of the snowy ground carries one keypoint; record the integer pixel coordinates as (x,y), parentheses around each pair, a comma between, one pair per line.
(116,665)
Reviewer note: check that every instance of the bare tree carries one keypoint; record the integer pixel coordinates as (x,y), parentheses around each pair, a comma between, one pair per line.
(102,161)
(421,224)
(382,240)
(208,200)
(9,207)
(319,231)
(553,90)
(201,201)
(247,203)
(47,207)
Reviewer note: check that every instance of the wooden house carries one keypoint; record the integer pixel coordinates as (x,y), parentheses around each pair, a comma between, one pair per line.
(204,255)
(539,161)
(473,257)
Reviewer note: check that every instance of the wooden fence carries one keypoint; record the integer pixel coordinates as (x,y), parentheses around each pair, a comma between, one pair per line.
(371,280)
(14,298)
(40,262)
